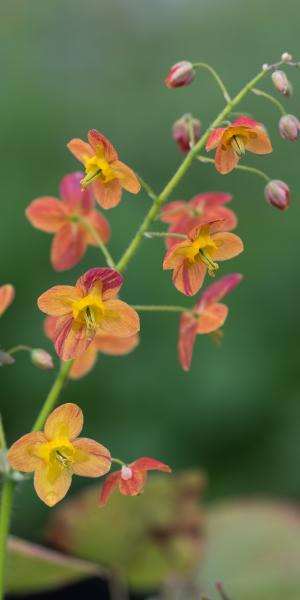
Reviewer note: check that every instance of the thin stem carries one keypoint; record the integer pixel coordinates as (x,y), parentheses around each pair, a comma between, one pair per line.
(117,461)
(53,395)
(164,234)
(205,159)
(97,238)
(3,444)
(147,188)
(157,308)
(270,98)
(215,76)
(19,348)
(5,517)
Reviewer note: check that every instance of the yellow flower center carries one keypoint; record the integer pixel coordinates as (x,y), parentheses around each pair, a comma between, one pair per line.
(89,311)
(238,145)
(57,454)
(203,249)
(97,167)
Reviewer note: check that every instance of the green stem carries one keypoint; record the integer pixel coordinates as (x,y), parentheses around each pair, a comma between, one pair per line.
(270,98)
(216,77)
(147,188)
(19,348)
(3,444)
(117,461)
(157,308)
(205,159)
(53,395)
(97,238)
(164,234)
(5,517)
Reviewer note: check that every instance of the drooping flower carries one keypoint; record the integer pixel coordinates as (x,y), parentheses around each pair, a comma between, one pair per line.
(107,174)
(63,218)
(186,131)
(277,193)
(102,343)
(91,305)
(181,74)
(184,216)
(57,453)
(211,315)
(7,295)
(197,254)
(131,478)
(280,81)
(233,141)
(289,127)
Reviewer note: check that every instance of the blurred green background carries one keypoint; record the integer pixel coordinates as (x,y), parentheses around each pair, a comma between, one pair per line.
(71,65)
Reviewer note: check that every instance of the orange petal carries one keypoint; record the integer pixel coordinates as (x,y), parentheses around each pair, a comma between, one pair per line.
(188,278)
(58,300)
(229,245)
(216,291)
(214,138)
(108,194)
(68,246)
(259,141)
(66,421)
(7,295)
(21,455)
(84,363)
(225,159)
(186,340)
(149,464)
(176,255)
(113,345)
(99,141)
(46,213)
(81,150)
(101,225)
(212,318)
(91,459)
(71,339)
(133,486)
(50,486)
(128,179)
(108,487)
(119,319)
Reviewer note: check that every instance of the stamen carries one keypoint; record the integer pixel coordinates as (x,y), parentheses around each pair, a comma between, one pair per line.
(211,265)
(90,320)
(238,145)
(89,178)
(64,460)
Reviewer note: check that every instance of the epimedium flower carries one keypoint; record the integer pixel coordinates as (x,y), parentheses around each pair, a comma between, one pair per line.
(233,141)
(7,295)
(193,257)
(211,315)
(84,309)
(186,131)
(63,218)
(103,343)
(57,453)
(131,478)
(184,216)
(104,171)
(277,193)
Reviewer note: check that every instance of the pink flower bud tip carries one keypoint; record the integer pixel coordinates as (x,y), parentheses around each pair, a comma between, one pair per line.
(289,127)
(281,82)
(186,131)
(277,193)
(41,359)
(126,473)
(181,74)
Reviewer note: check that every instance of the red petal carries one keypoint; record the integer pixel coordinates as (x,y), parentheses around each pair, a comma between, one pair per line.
(214,138)
(188,278)
(108,280)
(218,290)
(133,486)
(149,464)
(71,339)
(186,340)
(99,141)
(108,487)
(75,199)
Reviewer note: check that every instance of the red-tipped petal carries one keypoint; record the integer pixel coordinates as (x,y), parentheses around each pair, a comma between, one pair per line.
(108,281)
(68,246)
(149,464)
(216,291)
(186,340)
(7,295)
(108,487)
(76,200)
(99,142)
(81,150)
(188,278)
(214,138)
(46,213)
(108,195)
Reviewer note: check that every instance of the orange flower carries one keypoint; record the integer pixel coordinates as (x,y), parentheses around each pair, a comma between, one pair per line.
(86,308)
(63,218)
(131,478)
(232,142)
(211,316)
(57,453)
(102,343)
(7,295)
(184,216)
(197,254)
(103,169)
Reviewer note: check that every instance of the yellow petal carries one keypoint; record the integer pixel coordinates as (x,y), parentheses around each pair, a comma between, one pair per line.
(52,484)
(66,421)
(90,459)
(22,454)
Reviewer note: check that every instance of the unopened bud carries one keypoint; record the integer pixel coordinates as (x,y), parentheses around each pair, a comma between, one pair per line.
(281,82)
(180,74)
(6,359)
(265,67)
(186,132)
(277,193)
(289,127)
(41,359)
(286,57)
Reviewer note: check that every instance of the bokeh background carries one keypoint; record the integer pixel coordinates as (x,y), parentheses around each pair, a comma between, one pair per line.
(71,65)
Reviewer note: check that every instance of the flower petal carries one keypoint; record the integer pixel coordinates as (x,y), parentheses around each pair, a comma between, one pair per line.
(229,245)
(133,486)
(68,246)
(51,485)
(218,290)
(108,487)
(21,455)
(128,179)
(81,150)
(109,281)
(214,138)
(176,255)
(120,319)
(259,141)
(58,300)
(149,464)
(186,340)
(75,199)
(212,318)
(210,199)
(66,421)
(50,327)
(174,211)
(46,213)
(114,345)
(84,363)
(244,122)
(99,141)
(91,459)
(188,278)
(7,295)
(101,225)
(71,339)
(225,216)
(107,194)
(225,159)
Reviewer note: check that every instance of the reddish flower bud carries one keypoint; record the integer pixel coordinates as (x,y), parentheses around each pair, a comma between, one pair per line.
(289,127)
(277,193)
(281,82)
(41,359)
(180,74)
(186,132)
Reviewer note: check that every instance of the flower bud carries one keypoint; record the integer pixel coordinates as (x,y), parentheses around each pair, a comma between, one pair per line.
(41,359)
(281,82)
(277,193)
(180,74)
(286,57)
(186,131)
(6,359)
(289,127)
